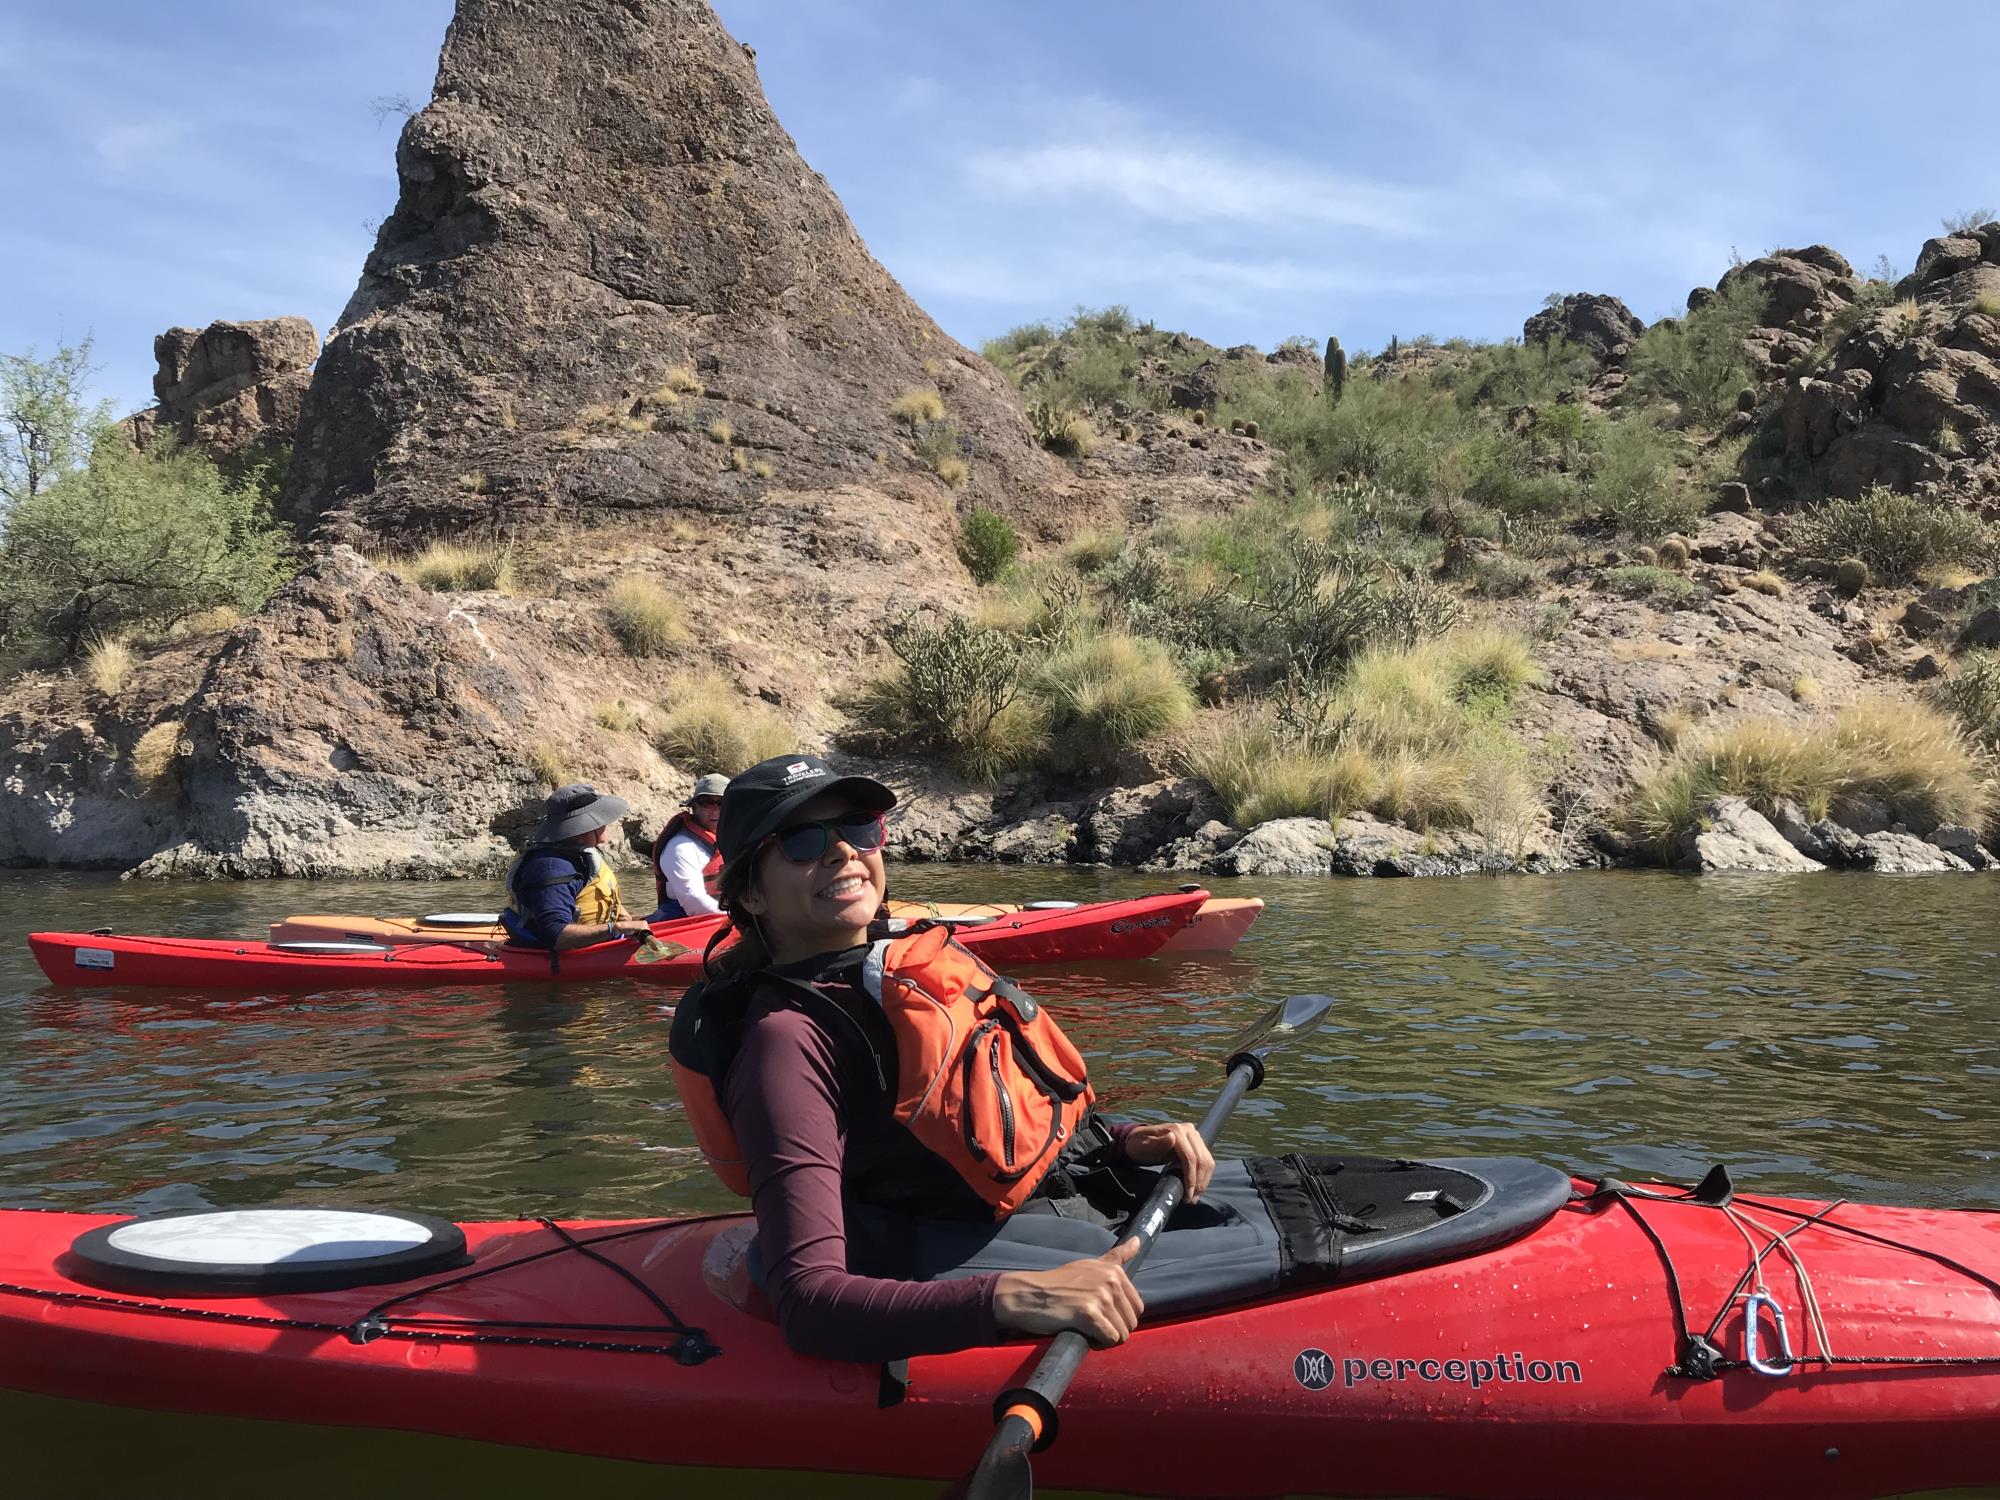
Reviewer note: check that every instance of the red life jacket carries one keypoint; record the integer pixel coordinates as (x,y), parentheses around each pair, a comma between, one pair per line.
(681,822)
(985,1079)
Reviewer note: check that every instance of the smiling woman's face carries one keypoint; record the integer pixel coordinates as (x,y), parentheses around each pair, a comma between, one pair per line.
(822,906)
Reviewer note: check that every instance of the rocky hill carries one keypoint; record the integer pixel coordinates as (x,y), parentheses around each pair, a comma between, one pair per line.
(618,333)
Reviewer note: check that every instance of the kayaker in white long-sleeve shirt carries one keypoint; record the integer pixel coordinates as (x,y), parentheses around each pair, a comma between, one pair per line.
(685,860)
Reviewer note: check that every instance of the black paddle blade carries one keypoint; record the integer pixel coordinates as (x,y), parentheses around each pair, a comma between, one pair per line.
(1287,1020)
(1003,1471)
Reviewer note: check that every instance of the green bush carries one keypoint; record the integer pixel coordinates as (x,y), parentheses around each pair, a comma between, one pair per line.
(1698,361)
(1636,484)
(1898,536)
(1061,431)
(1973,694)
(1328,601)
(133,540)
(987,544)
(955,692)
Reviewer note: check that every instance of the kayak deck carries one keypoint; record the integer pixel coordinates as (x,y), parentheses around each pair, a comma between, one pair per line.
(1536,1369)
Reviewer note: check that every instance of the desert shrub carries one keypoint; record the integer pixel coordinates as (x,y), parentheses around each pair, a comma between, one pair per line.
(1973,694)
(134,540)
(459,567)
(1654,583)
(645,617)
(1327,601)
(107,666)
(987,544)
(1106,691)
(942,451)
(703,722)
(955,691)
(1636,484)
(1698,361)
(1897,536)
(918,406)
(1091,552)
(1966,221)
(1518,374)
(1502,577)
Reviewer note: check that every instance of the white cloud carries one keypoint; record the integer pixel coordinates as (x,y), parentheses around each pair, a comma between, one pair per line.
(1186,184)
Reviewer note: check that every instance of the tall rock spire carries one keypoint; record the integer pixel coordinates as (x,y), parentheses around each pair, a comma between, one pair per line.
(610,283)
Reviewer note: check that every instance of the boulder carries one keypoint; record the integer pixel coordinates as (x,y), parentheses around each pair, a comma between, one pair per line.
(1284,846)
(230,386)
(1199,851)
(1198,389)
(1733,835)
(1905,854)
(1962,843)
(1603,325)
(1983,629)
(1130,825)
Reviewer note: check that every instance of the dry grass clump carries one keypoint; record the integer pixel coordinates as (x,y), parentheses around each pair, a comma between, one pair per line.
(154,755)
(679,381)
(459,568)
(739,461)
(1805,689)
(951,469)
(1987,304)
(762,468)
(108,665)
(1106,691)
(917,406)
(1414,735)
(644,617)
(1766,582)
(618,716)
(550,765)
(720,430)
(1907,753)
(702,722)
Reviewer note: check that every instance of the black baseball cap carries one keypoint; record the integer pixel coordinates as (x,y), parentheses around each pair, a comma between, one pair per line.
(758,801)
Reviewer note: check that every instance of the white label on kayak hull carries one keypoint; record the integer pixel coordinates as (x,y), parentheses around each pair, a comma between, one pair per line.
(269,1236)
(96,958)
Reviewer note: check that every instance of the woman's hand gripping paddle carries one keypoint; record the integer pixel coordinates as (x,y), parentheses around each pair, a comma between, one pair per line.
(1026,1415)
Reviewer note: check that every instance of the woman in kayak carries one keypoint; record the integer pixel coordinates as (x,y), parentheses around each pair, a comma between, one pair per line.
(787,1063)
(561,893)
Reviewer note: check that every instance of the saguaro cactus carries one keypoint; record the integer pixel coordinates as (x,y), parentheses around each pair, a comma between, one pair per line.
(1336,372)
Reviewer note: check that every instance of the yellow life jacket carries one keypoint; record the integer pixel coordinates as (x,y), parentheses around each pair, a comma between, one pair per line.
(985,1079)
(596,903)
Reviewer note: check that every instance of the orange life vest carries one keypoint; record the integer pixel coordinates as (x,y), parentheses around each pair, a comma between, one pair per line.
(680,822)
(985,1079)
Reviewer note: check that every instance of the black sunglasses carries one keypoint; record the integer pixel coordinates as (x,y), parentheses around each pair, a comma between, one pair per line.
(707,802)
(802,843)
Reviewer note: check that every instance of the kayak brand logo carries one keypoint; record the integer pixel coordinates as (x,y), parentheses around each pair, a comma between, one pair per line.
(1136,924)
(1313,1369)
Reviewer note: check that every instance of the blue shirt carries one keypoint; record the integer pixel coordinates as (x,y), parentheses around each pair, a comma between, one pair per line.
(544,888)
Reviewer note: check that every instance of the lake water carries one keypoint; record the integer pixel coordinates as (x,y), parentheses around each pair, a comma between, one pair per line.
(1827,1035)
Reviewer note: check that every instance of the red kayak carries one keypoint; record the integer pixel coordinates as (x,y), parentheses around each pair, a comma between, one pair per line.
(1575,1347)
(1108,930)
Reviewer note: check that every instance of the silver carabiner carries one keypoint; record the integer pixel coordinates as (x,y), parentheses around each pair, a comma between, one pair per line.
(1750,1305)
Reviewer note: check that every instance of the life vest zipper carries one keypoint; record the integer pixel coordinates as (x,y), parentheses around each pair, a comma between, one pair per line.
(1006,1101)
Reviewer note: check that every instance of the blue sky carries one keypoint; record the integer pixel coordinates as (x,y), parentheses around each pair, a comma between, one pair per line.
(1245,172)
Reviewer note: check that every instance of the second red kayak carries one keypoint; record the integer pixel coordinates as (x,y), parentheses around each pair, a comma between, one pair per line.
(1100,932)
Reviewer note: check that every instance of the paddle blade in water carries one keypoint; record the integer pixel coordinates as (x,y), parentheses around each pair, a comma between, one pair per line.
(655,948)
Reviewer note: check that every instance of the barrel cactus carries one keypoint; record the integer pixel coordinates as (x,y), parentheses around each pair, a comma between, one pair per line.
(1673,553)
(1336,371)
(1850,576)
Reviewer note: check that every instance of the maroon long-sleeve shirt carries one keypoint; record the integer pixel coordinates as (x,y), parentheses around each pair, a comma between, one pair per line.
(817,1129)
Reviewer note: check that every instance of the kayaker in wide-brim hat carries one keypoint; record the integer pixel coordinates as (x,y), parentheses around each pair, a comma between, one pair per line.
(790,1059)
(562,893)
